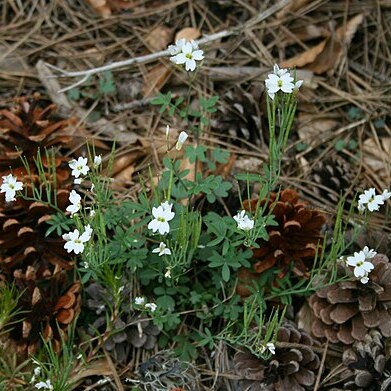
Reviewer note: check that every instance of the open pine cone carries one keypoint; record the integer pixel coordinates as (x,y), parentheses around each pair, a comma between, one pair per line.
(346,311)
(294,242)
(291,368)
(366,363)
(333,178)
(31,126)
(45,305)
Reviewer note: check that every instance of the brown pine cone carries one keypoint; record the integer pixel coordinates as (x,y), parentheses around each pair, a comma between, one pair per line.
(346,311)
(48,309)
(292,368)
(332,179)
(31,126)
(294,242)
(366,363)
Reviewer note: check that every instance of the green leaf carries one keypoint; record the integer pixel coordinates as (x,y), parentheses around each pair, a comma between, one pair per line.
(194,153)
(340,145)
(225,273)
(220,156)
(74,94)
(106,83)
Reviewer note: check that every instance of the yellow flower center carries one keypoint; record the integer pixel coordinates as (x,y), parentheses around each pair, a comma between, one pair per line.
(161,219)
(279,83)
(189,56)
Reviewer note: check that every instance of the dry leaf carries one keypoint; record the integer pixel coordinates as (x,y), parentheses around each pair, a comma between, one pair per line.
(155,79)
(310,127)
(159,38)
(377,157)
(101,7)
(292,7)
(188,33)
(327,54)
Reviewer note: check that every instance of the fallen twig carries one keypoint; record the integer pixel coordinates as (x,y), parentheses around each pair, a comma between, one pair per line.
(153,56)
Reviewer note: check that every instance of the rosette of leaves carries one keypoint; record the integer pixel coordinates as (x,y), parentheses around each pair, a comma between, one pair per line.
(293,243)
(127,330)
(346,311)
(293,367)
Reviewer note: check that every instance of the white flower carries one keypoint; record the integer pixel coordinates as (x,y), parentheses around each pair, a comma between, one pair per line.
(97,160)
(162,250)
(10,186)
(75,241)
(386,194)
(78,181)
(269,346)
(368,253)
(361,267)
(86,265)
(47,385)
(177,48)
(37,372)
(151,306)
(275,83)
(75,200)
(167,274)
(79,166)
(162,215)
(298,84)
(92,213)
(188,55)
(279,72)
(244,222)
(139,300)
(370,200)
(181,140)
(364,280)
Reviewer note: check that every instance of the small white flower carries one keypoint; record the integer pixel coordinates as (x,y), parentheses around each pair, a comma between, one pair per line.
(298,84)
(10,186)
(370,200)
(79,166)
(151,306)
(275,83)
(75,201)
(279,72)
(97,160)
(167,274)
(37,371)
(75,241)
(177,48)
(243,221)
(121,289)
(162,215)
(139,300)
(364,280)
(92,213)
(162,249)
(181,140)
(47,385)
(361,267)
(188,55)
(86,265)
(386,194)
(269,346)
(79,356)
(78,181)
(369,253)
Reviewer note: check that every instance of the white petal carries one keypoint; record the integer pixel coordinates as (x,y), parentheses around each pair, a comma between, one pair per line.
(163,228)
(187,48)
(198,55)
(154,225)
(190,65)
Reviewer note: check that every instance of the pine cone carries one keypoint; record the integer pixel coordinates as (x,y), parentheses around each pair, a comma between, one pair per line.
(44,307)
(346,311)
(128,330)
(365,364)
(291,368)
(239,116)
(294,242)
(31,126)
(332,179)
